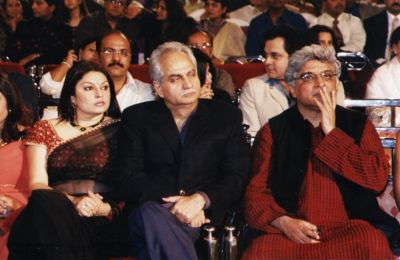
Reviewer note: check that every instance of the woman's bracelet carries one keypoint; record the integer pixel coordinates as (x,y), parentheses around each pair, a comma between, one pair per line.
(66,63)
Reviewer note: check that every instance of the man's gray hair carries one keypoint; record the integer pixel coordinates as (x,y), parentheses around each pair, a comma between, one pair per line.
(306,54)
(156,74)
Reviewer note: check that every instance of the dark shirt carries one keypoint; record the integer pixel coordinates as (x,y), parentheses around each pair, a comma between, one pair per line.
(96,25)
(52,39)
(155,34)
(262,23)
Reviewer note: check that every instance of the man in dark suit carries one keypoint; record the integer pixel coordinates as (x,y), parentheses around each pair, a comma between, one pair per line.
(184,161)
(378,29)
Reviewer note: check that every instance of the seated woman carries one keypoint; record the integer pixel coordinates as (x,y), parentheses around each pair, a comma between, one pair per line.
(72,211)
(228,38)
(14,119)
(170,23)
(206,73)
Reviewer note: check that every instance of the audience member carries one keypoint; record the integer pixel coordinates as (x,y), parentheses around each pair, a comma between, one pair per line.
(43,40)
(348,29)
(228,38)
(324,36)
(13,15)
(378,29)
(72,212)
(266,96)
(322,204)
(97,24)
(203,41)
(277,14)
(396,172)
(384,83)
(184,161)
(206,72)
(170,23)
(248,12)
(72,13)
(52,81)
(115,56)
(14,120)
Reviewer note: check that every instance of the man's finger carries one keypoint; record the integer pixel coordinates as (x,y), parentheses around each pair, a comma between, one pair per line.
(171,199)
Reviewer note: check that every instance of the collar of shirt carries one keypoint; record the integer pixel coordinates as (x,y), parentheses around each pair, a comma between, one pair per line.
(275,83)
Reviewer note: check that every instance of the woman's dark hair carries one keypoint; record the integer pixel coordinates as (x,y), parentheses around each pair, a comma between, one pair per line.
(313,35)
(202,61)
(75,74)
(64,13)
(175,11)
(395,36)
(293,39)
(19,116)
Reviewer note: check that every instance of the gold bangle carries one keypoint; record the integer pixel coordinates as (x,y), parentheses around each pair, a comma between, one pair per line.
(66,63)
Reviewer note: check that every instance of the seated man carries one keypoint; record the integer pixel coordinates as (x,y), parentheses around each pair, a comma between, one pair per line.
(322,204)
(184,160)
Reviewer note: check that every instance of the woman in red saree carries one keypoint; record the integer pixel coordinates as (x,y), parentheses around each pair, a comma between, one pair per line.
(14,118)
(73,212)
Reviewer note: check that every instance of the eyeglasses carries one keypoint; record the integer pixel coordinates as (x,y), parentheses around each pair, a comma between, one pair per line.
(203,45)
(112,52)
(116,2)
(310,77)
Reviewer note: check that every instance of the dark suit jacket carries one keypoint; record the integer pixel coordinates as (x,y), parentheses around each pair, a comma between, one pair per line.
(376,28)
(213,159)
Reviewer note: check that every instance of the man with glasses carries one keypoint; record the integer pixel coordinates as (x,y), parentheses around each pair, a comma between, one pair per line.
(202,41)
(317,169)
(109,19)
(115,56)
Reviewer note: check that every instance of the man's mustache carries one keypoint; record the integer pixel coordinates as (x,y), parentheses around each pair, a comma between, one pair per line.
(115,64)
(396,4)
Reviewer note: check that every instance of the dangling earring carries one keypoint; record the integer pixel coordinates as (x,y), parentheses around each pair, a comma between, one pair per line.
(74,110)
(9,110)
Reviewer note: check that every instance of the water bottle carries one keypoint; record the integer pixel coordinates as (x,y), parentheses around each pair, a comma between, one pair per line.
(230,244)
(212,245)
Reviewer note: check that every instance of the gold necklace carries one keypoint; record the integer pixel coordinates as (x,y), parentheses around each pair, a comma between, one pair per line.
(84,128)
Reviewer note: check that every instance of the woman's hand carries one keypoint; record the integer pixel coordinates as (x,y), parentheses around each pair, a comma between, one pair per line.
(92,205)
(29,58)
(206,92)
(7,203)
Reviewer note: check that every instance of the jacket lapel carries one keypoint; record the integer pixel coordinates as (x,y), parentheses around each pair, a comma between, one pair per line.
(165,124)
(280,98)
(197,124)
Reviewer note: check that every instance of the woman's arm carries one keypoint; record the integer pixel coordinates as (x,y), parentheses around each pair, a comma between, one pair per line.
(396,172)
(36,155)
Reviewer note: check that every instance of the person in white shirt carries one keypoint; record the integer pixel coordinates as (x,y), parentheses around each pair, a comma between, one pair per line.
(384,83)
(248,12)
(350,27)
(115,56)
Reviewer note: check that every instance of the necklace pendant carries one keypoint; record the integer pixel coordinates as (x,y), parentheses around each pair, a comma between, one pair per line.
(83,129)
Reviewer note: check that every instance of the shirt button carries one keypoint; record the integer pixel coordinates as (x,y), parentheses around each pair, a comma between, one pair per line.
(182,193)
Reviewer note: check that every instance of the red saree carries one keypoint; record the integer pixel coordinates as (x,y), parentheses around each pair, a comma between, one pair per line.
(13,183)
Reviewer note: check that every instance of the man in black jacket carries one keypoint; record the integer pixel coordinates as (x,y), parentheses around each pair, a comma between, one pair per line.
(184,161)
